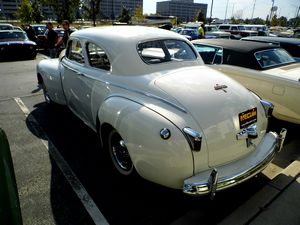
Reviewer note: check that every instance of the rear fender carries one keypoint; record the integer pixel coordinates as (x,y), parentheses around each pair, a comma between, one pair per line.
(164,161)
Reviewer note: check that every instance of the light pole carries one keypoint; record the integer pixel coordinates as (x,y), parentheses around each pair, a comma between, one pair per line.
(271,10)
(226,11)
(253,9)
(211,7)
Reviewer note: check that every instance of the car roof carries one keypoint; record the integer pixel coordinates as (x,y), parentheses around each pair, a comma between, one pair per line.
(236,45)
(122,41)
(130,34)
(274,39)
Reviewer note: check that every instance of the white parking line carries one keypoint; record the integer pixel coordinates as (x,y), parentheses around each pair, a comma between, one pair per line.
(75,183)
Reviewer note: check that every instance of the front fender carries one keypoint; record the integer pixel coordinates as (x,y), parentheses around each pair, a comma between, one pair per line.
(166,162)
(49,70)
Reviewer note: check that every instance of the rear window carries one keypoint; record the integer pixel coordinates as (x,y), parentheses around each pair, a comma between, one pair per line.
(160,51)
(273,58)
(224,27)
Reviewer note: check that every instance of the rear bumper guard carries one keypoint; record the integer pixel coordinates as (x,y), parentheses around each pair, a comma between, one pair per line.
(209,182)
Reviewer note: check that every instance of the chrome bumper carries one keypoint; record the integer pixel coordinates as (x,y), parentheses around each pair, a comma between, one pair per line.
(232,174)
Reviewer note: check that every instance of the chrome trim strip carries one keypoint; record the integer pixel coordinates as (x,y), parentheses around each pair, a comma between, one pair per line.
(182,109)
(227,182)
(149,95)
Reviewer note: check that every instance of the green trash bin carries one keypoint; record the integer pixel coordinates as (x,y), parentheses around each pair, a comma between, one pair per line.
(10,212)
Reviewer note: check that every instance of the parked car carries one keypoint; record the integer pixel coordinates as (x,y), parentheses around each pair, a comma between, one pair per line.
(212,31)
(238,31)
(159,110)
(6,26)
(40,30)
(292,45)
(190,34)
(262,30)
(15,44)
(274,73)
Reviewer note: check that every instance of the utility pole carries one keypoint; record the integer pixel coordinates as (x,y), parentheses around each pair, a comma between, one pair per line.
(271,11)
(211,7)
(226,11)
(253,9)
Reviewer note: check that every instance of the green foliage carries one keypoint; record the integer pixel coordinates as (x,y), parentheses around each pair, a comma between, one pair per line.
(294,22)
(200,16)
(36,11)
(138,14)
(282,21)
(91,8)
(24,12)
(64,9)
(125,16)
(274,21)
(236,21)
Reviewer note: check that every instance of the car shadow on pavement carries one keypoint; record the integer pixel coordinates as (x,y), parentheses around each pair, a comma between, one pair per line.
(122,200)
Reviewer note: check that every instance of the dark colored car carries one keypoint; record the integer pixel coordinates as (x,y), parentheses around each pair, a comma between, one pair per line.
(292,45)
(6,26)
(253,55)
(15,44)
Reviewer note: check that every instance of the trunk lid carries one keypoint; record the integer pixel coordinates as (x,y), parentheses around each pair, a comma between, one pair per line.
(215,102)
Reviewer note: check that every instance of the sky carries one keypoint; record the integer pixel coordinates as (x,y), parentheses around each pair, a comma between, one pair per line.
(239,8)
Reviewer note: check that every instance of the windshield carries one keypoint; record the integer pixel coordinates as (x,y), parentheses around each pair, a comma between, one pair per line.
(160,51)
(273,57)
(12,36)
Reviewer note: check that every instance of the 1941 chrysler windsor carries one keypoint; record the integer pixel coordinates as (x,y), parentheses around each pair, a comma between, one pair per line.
(159,110)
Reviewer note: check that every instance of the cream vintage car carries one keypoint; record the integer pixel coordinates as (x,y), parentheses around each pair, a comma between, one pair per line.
(159,110)
(272,73)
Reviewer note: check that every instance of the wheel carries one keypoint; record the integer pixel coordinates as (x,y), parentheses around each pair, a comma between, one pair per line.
(119,153)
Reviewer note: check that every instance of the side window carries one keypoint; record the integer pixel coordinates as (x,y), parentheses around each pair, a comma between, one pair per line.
(218,59)
(97,57)
(74,51)
(234,28)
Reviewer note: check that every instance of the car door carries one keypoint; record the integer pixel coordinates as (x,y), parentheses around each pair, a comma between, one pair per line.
(73,79)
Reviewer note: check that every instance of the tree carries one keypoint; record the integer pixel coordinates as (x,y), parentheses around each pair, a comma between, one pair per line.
(294,22)
(125,15)
(282,21)
(274,21)
(200,16)
(37,15)
(24,12)
(91,9)
(138,14)
(64,9)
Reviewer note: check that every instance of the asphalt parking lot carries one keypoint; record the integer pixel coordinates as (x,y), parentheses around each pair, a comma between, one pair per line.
(64,177)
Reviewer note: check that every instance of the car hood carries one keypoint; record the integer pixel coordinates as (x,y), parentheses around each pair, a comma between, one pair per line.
(215,109)
(291,72)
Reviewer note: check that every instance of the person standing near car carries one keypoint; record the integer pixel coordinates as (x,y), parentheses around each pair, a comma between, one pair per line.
(201,31)
(67,33)
(31,33)
(51,40)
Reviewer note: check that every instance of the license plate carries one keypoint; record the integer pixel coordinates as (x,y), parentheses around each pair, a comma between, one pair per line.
(248,117)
